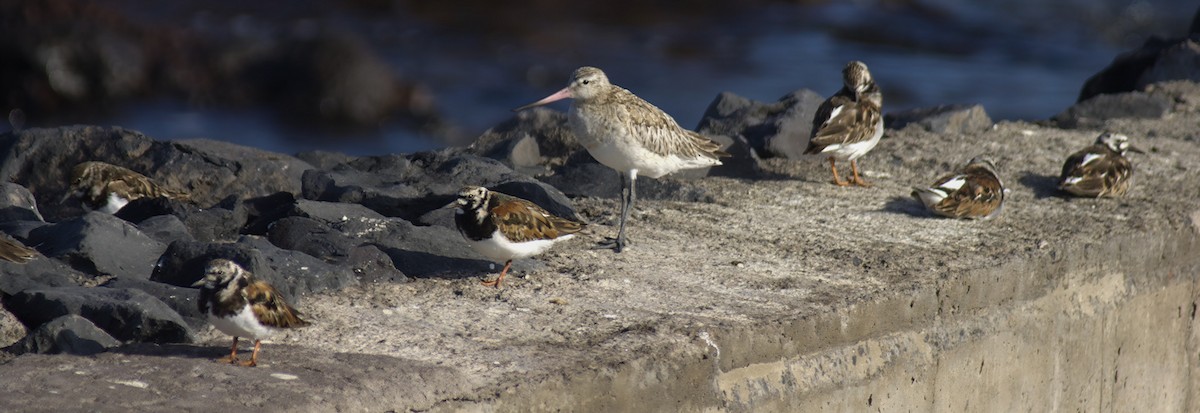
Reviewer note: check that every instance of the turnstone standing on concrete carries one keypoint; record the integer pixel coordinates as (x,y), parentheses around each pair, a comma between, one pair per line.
(973,192)
(1099,170)
(849,123)
(504,227)
(241,306)
(107,188)
(630,135)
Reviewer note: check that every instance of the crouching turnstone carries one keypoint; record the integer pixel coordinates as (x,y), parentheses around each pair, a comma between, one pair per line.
(1099,170)
(107,188)
(973,191)
(240,306)
(849,123)
(14,251)
(504,227)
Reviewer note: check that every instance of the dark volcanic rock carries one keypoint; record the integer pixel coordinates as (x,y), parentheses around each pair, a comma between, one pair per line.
(417,251)
(126,314)
(182,300)
(41,159)
(945,119)
(1093,112)
(263,211)
(165,229)
(38,273)
(21,229)
(17,204)
(1157,60)
(291,272)
(70,334)
(532,142)
(220,222)
(317,239)
(98,243)
(781,128)
(411,186)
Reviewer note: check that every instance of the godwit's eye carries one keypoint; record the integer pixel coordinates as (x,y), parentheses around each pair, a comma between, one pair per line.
(586,81)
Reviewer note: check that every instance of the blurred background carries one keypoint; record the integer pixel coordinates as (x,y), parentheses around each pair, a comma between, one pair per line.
(380,76)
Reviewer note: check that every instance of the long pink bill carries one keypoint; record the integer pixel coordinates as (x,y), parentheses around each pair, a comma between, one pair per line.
(557,96)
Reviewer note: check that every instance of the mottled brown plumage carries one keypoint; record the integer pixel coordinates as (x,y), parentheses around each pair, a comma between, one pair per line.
(503,227)
(975,191)
(241,306)
(1100,170)
(629,135)
(849,123)
(96,183)
(13,251)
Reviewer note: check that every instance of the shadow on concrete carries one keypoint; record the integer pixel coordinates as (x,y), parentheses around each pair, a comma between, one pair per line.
(906,205)
(197,351)
(1043,186)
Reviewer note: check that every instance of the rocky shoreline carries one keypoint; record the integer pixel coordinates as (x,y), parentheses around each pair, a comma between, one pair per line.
(362,246)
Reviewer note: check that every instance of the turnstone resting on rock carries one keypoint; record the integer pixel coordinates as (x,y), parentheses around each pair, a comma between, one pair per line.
(240,306)
(1099,170)
(107,188)
(14,251)
(849,123)
(974,191)
(504,228)
(630,135)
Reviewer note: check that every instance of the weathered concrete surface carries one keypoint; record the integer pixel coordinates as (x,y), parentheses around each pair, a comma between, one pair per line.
(783,295)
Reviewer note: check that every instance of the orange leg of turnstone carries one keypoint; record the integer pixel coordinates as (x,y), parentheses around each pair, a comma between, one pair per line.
(833,167)
(496,282)
(253,356)
(233,358)
(858,179)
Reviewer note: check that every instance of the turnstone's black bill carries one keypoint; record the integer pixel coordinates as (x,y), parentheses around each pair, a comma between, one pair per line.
(13,251)
(240,306)
(849,123)
(1099,170)
(504,227)
(974,192)
(107,188)
(630,135)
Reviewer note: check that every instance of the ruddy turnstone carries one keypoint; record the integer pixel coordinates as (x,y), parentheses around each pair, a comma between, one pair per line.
(1099,170)
(974,191)
(849,123)
(240,306)
(13,251)
(504,227)
(630,135)
(107,188)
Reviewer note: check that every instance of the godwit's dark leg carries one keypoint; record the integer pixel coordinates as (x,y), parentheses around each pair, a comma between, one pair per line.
(628,196)
(833,167)
(857,179)
(496,282)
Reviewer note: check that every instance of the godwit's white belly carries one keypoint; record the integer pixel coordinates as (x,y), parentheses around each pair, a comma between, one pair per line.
(242,324)
(612,144)
(628,157)
(499,248)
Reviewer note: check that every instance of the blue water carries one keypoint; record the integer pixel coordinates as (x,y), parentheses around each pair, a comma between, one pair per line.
(1021,60)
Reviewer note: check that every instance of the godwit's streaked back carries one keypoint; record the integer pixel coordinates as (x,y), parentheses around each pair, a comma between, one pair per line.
(849,123)
(630,135)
